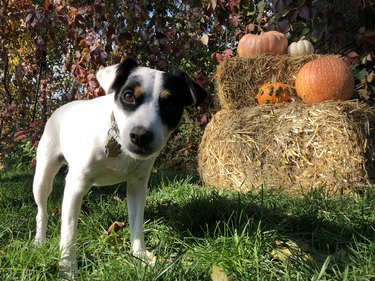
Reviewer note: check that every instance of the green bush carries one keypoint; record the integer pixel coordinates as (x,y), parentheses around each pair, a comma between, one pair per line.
(180,153)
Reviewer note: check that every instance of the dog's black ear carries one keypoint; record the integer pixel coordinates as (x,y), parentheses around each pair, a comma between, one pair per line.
(114,76)
(196,94)
(125,67)
(122,73)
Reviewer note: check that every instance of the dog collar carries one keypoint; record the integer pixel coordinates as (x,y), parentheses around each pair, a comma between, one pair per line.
(112,146)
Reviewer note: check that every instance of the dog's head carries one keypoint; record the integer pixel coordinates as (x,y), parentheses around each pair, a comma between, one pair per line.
(148,104)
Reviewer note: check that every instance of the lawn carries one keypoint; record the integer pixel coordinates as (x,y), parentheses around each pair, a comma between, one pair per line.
(195,231)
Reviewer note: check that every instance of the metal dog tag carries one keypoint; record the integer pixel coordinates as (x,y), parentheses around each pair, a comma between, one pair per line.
(112,148)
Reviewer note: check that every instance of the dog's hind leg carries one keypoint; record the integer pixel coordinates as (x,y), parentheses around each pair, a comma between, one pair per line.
(46,170)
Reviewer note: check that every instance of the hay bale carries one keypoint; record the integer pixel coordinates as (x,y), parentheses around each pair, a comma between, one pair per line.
(291,146)
(238,79)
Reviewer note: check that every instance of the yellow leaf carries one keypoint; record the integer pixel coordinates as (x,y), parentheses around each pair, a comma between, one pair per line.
(289,251)
(85,51)
(73,12)
(218,274)
(204,39)
(82,43)
(212,4)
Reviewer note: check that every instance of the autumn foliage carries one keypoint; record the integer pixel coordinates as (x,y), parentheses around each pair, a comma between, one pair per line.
(50,50)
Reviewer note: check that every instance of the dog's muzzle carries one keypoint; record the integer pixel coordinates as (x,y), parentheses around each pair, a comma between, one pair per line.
(141,140)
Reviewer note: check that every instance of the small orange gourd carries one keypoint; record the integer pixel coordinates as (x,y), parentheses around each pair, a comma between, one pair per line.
(273,92)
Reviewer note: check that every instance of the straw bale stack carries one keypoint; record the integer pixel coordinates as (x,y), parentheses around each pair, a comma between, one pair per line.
(238,79)
(293,146)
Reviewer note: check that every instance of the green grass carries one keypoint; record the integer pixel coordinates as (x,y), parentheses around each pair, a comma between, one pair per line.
(257,236)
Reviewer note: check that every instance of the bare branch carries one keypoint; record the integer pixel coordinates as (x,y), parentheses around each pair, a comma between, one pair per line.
(5,82)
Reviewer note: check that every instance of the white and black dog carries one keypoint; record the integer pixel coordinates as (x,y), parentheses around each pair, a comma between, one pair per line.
(109,140)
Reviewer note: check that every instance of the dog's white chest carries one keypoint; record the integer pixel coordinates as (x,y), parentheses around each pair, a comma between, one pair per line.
(117,169)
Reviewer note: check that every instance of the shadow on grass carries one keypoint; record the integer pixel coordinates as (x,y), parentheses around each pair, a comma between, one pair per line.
(200,212)
(327,225)
(315,226)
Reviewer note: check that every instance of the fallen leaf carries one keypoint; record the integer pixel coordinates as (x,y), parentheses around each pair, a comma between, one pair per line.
(118,199)
(218,274)
(115,227)
(55,212)
(289,251)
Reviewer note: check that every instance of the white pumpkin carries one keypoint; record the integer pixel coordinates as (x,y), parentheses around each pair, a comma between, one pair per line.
(300,48)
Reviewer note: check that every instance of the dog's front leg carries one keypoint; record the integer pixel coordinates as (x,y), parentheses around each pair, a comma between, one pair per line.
(75,189)
(136,196)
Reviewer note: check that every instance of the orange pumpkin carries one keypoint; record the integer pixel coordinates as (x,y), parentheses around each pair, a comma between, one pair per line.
(273,92)
(325,78)
(271,42)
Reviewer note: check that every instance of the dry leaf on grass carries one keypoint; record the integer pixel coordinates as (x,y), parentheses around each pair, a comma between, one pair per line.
(55,212)
(118,199)
(218,274)
(289,251)
(115,227)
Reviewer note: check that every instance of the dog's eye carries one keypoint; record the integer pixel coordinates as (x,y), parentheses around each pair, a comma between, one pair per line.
(129,96)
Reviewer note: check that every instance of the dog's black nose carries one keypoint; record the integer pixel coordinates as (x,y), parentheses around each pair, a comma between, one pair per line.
(141,136)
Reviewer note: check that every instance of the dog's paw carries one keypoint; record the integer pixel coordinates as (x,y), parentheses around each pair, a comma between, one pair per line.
(38,241)
(68,269)
(146,257)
